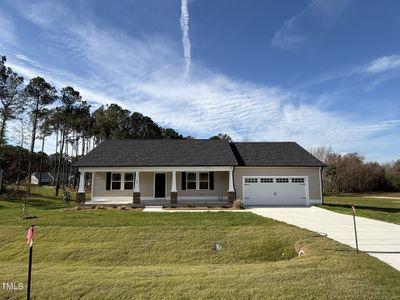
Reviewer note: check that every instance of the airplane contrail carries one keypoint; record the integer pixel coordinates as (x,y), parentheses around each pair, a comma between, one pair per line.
(185,34)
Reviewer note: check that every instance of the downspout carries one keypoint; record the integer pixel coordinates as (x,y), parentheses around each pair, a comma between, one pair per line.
(321,184)
(233,180)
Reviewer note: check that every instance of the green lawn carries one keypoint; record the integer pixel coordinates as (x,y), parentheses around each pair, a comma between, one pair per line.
(127,254)
(387,210)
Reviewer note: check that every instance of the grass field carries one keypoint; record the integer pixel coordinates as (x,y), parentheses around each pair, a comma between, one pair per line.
(387,210)
(126,254)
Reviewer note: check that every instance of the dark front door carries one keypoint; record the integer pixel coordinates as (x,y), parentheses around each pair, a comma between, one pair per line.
(159,185)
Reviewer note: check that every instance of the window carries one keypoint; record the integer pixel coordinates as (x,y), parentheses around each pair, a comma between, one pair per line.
(191,181)
(128,181)
(297,180)
(282,180)
(266,180)
(203,181)
(251,180)
(116,181)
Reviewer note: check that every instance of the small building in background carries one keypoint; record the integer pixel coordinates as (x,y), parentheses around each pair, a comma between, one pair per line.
(48,178)
(45,179)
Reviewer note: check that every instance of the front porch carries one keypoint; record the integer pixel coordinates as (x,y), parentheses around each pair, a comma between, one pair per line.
(167,187)
(163,202)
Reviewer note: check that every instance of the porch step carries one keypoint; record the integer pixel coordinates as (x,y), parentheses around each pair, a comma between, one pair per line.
(153,208)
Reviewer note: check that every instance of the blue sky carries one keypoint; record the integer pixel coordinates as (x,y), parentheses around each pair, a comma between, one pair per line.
(324,72)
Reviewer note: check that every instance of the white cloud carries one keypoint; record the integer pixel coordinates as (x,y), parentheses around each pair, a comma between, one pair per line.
(313,21)
(383,64)
(7,30)
(209,103)
(60,79)
(288,36)
(146,75)
(367,76)
(185,33)
(218,104)
(26,59)
(379,71)
(42,13)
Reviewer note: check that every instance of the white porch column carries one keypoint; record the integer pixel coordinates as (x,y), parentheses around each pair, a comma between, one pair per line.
(173,188)
(92,184)
(137,182)
(122,181)
(82,183)
(231,188)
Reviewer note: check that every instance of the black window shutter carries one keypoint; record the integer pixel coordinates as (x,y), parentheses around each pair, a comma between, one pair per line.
(108,182)
(183,174)
(211,178)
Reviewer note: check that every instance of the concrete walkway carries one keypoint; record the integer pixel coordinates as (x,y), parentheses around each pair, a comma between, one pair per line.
(382,197)
(377,238)
(153,208)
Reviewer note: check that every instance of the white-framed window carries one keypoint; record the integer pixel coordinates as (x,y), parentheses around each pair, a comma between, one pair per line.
(251,180)
(282,180)
(266,180)
(116,181)
(191,181)
(203,181)
(297,180)
(128,181)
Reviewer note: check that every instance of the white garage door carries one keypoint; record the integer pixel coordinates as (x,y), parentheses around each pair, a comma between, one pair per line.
(268,190)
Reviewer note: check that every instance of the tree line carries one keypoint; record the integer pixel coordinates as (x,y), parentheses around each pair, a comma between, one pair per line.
(349,173)
(40,110)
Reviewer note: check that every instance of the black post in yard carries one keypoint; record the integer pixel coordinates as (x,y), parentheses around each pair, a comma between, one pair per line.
(28,295)
(355,227)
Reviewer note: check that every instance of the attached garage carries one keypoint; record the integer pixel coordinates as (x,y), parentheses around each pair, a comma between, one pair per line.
(275,190)
(276,174)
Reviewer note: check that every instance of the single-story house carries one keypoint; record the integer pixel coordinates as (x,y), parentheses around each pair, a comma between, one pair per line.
(171,172)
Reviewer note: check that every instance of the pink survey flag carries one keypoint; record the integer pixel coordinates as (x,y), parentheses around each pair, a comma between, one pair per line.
(29,236)
(353,208)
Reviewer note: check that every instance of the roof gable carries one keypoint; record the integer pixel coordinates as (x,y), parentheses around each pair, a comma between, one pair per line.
(270,154)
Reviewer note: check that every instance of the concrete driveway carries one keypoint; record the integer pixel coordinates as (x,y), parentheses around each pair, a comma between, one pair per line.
(377,238)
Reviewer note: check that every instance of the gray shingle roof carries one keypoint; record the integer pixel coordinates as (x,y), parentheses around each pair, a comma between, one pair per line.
(127,153)
(124,153)
(46,176)
(269,154)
